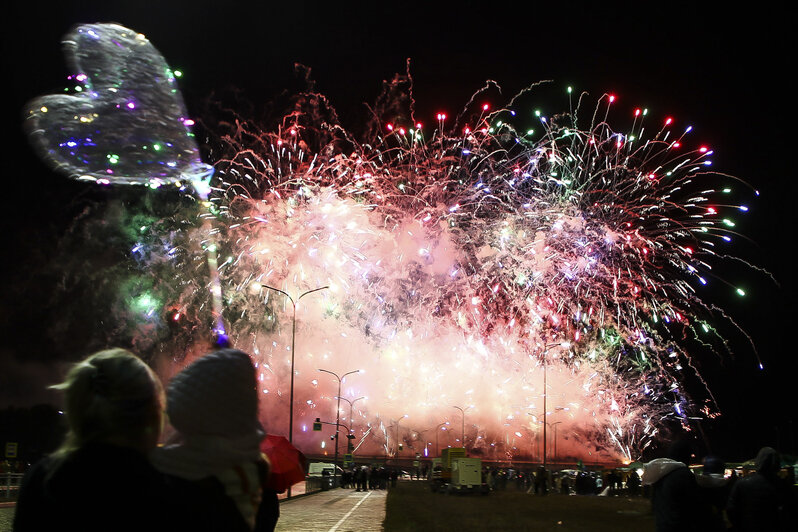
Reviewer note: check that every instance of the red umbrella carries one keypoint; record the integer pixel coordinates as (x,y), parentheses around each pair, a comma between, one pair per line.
(288,463)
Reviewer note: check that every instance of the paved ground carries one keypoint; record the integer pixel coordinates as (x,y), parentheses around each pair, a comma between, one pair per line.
(338,510)
(6,518)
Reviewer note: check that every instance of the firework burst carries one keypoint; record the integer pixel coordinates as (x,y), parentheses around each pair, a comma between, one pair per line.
(459,264)
(464,266)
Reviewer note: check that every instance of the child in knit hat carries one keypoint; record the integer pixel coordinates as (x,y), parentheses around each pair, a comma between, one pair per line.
(215,466)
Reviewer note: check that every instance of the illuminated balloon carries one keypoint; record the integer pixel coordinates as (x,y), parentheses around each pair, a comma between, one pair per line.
(124,121)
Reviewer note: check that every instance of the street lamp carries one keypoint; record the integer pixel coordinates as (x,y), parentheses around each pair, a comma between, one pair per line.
(438,449)
(293,350)
(351,420)
(545,414)
(462,433)
(351,407)
(397,433)
(555,437)
(338,416)
(418,435)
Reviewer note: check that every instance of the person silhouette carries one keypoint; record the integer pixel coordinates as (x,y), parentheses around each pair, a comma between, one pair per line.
(762,500)
(100,478)
(674,496)
(213,464)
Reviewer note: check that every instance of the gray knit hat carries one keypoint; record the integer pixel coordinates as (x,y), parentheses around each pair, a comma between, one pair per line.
(217,395)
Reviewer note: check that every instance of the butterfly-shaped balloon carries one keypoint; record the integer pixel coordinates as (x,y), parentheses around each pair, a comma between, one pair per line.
(126,121)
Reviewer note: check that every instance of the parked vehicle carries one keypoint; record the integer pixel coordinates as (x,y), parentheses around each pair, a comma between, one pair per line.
(325,471)
(320,469)
(456,473)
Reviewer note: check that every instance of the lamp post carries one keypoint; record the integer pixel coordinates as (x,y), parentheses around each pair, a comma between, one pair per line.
(555,437)
(462,432)
(293,351)
(545,414)
(418,434)
(338,417)
(438,449)
(397,433)
(351,407)
(351,421)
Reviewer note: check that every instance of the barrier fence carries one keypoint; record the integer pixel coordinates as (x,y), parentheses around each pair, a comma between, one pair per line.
(9,484)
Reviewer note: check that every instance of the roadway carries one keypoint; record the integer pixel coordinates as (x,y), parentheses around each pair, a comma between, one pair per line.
(337,510)
(6,517)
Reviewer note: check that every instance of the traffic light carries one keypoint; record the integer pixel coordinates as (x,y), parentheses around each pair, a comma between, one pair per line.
(401,446)
(317,425)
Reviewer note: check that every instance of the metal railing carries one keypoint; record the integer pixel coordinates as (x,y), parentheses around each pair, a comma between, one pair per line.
(9,484)
(318,483)
(310,485)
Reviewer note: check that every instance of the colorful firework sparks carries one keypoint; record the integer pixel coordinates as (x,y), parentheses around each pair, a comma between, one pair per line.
(461,266)
(458,268)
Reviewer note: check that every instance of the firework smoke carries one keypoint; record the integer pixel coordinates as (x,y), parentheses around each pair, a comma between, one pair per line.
(460,263)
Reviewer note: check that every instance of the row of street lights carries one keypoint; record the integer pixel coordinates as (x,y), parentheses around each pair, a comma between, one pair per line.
(544,352)
(438,427)
(338,412)
(340,379)
(294,303)
(293,351)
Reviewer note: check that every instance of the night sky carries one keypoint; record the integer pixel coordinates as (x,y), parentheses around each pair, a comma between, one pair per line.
(725,72)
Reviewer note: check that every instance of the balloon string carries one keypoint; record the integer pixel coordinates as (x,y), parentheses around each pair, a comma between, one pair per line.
(201,182)
(219,331)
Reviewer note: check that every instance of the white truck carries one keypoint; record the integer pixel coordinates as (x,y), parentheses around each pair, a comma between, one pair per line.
(466,473)
(324,473)
(319,469)
(455,473)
